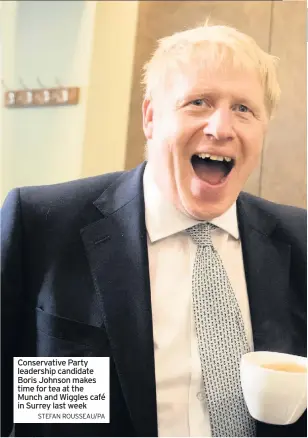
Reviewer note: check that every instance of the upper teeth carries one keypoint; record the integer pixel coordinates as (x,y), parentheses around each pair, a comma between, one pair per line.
(214,157)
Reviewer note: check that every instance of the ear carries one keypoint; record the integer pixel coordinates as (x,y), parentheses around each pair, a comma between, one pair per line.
(147,118)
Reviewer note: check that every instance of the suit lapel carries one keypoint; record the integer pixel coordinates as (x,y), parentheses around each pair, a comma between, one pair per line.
(117,252)
(267,267)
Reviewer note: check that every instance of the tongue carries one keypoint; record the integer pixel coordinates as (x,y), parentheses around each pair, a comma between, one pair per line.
(212,173)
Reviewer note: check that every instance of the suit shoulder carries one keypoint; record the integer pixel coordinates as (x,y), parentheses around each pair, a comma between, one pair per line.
(62,201)
(285,215)
(75,191)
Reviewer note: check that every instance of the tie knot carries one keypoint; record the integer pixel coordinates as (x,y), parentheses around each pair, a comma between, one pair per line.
(201,233)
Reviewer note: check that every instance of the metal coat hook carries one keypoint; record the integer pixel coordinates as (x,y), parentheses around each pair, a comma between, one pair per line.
(46,92)
(40,83)
(58,83)
(29,95)
(65,95)
(10,95)
(3,85)
(23,84)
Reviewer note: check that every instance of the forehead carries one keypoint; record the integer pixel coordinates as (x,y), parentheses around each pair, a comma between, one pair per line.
(222,82)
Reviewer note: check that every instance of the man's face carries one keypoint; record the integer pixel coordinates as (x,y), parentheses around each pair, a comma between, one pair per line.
(203,118)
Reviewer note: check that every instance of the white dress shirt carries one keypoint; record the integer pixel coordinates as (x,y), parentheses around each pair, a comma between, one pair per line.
(181,406)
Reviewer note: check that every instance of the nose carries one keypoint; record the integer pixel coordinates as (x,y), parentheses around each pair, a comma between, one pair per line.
(219,125)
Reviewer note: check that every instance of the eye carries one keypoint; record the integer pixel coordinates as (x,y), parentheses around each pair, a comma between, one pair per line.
(199,102)
(242,108)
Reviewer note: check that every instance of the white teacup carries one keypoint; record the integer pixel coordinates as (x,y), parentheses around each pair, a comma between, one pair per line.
(274,396)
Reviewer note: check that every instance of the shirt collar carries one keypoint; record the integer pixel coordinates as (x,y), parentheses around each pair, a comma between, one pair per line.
(163,219)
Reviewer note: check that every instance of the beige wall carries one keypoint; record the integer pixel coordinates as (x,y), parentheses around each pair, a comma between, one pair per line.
(87,44)
(44,40)
(110,87)
(284,161)
(278,27)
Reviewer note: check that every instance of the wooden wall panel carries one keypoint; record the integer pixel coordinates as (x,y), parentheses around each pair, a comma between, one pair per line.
(283,176)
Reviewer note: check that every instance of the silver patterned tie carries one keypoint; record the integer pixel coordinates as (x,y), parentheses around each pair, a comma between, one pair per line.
(221,339)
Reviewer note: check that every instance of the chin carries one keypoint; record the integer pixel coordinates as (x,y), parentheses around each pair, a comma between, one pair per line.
(203,215)
(207,211)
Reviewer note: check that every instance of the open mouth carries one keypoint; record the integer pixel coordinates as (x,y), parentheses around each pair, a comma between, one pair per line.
(212,169)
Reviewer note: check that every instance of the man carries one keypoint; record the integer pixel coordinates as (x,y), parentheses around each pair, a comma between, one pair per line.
(168,269)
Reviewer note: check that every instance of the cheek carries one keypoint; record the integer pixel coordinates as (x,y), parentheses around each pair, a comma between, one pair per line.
(253,141)
(164,125)
(171,128)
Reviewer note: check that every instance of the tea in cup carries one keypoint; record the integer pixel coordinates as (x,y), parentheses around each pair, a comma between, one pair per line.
(274,386)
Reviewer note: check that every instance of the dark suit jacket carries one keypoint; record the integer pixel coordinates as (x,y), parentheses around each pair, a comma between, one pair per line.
(76,283)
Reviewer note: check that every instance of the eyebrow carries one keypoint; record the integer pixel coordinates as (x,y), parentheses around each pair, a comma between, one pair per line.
(215,95)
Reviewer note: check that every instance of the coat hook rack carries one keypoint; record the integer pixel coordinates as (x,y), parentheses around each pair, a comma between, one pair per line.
(40,97)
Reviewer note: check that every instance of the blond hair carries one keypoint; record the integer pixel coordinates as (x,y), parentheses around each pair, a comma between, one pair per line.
(214,46)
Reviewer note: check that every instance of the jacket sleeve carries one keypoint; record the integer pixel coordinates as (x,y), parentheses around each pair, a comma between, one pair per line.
(12,296)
